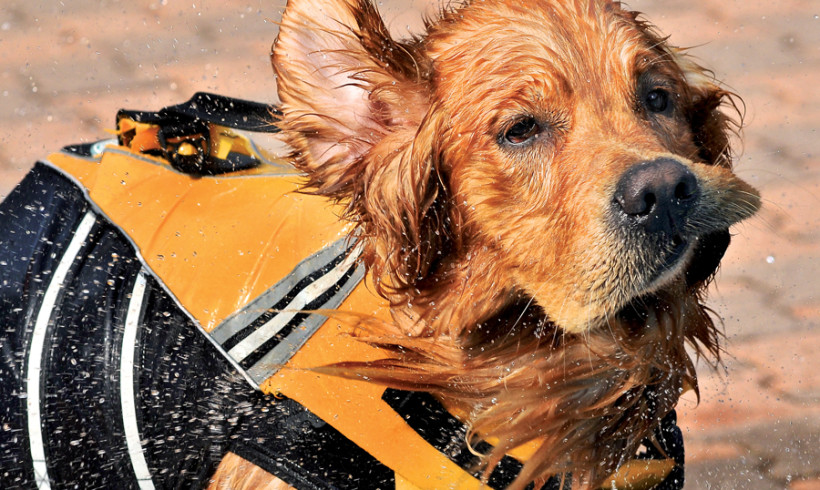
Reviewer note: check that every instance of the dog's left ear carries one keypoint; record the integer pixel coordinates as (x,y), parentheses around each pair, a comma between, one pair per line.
(711,126)
(345,85)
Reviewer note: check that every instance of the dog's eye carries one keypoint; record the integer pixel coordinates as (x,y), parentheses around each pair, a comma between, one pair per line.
(657,100)
(522,131)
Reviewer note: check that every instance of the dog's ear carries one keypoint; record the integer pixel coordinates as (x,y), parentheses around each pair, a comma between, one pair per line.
(710,123)
(344,85)
(356,110)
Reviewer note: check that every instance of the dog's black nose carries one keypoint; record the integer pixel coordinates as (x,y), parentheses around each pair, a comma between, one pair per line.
(657,195)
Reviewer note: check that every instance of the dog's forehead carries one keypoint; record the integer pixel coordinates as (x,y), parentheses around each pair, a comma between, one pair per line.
(567,40)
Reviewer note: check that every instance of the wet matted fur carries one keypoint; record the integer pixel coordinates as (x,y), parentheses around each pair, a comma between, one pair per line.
(542,190)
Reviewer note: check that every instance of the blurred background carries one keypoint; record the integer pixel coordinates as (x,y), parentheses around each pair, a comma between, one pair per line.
(67,67)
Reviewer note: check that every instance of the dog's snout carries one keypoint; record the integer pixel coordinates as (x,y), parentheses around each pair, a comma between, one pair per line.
(657,195)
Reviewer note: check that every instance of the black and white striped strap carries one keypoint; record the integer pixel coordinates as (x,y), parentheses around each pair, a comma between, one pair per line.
(265,334)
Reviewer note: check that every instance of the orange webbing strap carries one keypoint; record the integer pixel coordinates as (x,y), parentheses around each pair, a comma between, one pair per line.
(200,136)
(222,142)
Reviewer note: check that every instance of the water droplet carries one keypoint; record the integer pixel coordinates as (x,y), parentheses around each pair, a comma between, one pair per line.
(770,259)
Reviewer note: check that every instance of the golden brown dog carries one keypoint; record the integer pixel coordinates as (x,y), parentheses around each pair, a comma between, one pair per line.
(543,190)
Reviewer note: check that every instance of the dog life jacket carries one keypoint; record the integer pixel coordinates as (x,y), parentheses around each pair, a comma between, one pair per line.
(158,294)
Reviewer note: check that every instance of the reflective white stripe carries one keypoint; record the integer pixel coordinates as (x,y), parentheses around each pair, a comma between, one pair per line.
(129,408)
(312,291)
(35,355)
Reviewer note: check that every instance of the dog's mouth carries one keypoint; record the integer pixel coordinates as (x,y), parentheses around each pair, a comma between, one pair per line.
(676,257)
(696,259)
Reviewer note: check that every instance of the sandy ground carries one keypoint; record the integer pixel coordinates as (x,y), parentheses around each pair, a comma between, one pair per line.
(66,67)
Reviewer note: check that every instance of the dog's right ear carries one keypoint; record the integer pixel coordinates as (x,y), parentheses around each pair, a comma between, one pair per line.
(345,85)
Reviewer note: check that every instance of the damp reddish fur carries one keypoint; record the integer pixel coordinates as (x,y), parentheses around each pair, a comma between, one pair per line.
(516,296)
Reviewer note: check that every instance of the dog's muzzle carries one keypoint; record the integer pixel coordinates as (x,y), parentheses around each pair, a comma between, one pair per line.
(655,200)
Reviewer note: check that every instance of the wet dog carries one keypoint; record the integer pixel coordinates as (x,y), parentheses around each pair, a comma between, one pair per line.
(542,191)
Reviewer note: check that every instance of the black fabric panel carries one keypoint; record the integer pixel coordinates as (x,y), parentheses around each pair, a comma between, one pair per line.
(195,408)
(82,416)
(447,434)
(287,440)
(187,395)
(37,220)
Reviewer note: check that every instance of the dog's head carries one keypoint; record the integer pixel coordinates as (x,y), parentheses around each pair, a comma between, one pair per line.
(550,163)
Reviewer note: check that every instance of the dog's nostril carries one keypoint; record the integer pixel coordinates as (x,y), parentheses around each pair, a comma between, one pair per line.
(636,201)
(649,201)
(686,188)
